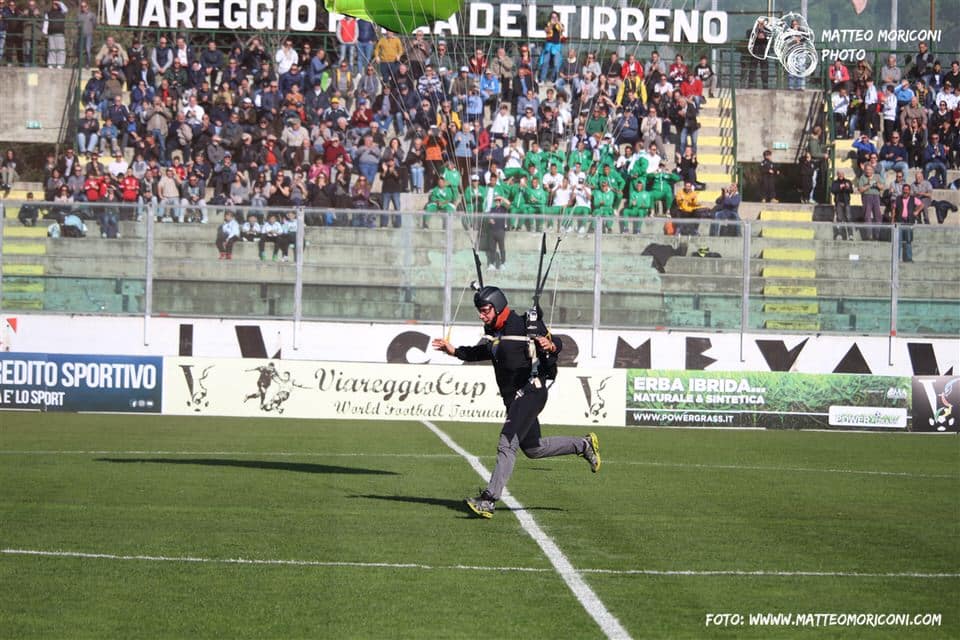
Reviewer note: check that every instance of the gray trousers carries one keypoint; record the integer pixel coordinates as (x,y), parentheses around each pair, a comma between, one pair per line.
(521,430)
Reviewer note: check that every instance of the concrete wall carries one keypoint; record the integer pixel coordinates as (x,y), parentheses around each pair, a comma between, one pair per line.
(767,116)
(33,94)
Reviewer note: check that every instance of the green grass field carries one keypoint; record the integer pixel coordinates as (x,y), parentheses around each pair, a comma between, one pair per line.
(371,516)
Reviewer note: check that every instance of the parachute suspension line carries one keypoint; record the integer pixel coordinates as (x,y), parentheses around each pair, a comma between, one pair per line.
(456,311)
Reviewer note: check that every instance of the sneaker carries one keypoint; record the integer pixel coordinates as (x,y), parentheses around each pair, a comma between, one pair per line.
(592,451)
(482,506)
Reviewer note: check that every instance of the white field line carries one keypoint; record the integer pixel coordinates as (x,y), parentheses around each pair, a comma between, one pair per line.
(589,600)
(314,454)
(466,567)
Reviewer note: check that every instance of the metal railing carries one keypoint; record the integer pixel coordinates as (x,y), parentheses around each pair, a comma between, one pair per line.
(369,265)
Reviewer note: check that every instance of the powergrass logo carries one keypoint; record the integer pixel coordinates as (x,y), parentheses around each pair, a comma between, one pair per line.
(870,417)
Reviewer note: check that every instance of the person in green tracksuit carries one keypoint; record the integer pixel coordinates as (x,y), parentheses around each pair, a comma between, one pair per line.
(557,157)
(661,186)
(582,155)
(603,206)
(617,183)
(441,199)
(639,206)
(454,179)
(474,199)
(536,157)
(638,173)
(534,202)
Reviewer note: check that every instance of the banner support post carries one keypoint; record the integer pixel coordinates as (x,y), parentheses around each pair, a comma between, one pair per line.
(298,284)
(148,276)
(745,295)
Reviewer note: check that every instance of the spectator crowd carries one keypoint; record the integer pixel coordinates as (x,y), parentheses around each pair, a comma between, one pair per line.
(177,128)
(905,124)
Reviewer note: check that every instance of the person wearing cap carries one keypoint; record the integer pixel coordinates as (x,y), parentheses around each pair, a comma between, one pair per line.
(460,88)
(661,185)
(387,54)
(490,89)
(474,197)
(418,52)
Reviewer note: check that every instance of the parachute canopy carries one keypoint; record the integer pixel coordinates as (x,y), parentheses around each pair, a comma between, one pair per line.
(399,16)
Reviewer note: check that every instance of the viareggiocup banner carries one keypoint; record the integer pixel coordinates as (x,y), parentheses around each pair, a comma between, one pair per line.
(767,400)
(69,382)
(331,390)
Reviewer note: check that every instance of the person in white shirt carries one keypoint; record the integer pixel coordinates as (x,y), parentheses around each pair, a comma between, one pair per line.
(576,174)
(513,159)
(527,127)
(552,180)
(653,160)
(285,57)
(581,202)
(494,173)
(227,234)
(561,202)
(949,95)
(118,166)
(193,111)
(664,87)
(500,128)
(288,237)
(250,231)
(270,231)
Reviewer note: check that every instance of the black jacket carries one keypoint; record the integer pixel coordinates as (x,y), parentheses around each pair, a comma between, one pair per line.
(511,363)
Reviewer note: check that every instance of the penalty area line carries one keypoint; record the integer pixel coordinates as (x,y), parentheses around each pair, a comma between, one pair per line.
(463,567)
(588,599)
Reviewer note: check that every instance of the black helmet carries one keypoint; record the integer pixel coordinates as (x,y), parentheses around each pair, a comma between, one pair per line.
(490,295)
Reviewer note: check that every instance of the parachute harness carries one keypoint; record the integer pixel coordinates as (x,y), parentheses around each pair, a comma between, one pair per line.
(533,313)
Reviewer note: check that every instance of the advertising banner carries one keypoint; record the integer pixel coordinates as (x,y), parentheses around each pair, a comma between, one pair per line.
(57,382)
(330,390)
(410,344)
(767,400)
(936,403)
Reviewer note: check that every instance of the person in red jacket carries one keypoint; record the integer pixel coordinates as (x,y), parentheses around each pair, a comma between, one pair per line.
(129,187)
(692,89)
(334,151)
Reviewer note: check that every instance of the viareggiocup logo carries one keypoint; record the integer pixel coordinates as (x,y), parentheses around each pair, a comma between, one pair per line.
(595,401)
(935,403)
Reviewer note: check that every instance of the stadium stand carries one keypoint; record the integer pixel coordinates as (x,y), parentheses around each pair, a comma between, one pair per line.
(299,127)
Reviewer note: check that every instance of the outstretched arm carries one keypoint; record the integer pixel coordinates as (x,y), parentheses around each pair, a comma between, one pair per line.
(441,344)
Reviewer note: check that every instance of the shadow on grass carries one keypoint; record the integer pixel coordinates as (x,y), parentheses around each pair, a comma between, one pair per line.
(453,505)
(299,467)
